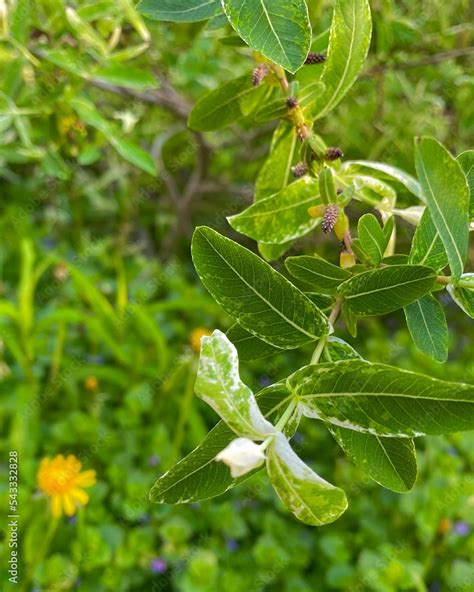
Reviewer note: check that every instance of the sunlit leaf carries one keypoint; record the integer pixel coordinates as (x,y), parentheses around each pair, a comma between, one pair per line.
(263,302)
(319,273)
(383,400)
(279,29)
(281,217)
(446,192)
(179,11)
(391,462)
(218,383)
(428,328)
(348,46)
(310,498)
(386,289)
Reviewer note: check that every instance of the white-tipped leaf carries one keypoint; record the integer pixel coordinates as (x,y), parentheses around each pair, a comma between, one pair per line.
(310,498)
(218,383)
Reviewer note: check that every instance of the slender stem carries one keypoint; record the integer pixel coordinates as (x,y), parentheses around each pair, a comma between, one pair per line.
(281,423)
(447,279)
(281,76)
(43,551)
(318,350)
(348,242)
(323,341)
(335,311)
(186,403)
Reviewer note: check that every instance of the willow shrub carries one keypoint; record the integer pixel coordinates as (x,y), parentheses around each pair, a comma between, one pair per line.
(374,411)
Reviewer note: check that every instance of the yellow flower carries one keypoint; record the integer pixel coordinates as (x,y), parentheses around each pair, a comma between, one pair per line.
(91,383)
(61,479)
(195,338)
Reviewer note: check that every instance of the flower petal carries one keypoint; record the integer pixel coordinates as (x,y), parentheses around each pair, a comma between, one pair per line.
(80,496)
(56,506)
(69,505)
(86,478)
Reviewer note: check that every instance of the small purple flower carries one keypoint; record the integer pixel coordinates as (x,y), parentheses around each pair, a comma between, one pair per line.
(144,518)
(265,380)
(158,565)
(153,460)
(461,528)
(298,438)
(452,451)
(48,243)
(232,545)
(435,587)
(98,360)
(72,519)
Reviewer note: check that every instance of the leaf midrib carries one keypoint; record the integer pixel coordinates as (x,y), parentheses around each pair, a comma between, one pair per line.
(342,79)
(440,212)
(276,460)
(385,394)
(391,287)
(283,316)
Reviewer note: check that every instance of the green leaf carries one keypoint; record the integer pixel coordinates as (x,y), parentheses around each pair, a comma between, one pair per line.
(134,154)
(427,247)
(446,192)
(275,109)
(428,328)
(391,462)
(337,349)
(197,476)
(250,347)
(281,217)
(466,160)
(350,319)
(310,498)
(392,172)
(131,152)
(68,60)
(349,42)
(126,76)
(218,383)
(372,191)
(223,105)
(322,301)
(386,289)
(178,11)
(254,294)
(317,272)
(220,106)
(327,188)
(310,94)
(372,238)
(464,297)
(383,400)
(274,176)
(279,29)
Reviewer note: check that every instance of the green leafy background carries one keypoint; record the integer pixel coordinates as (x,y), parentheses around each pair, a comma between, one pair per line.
(98,170)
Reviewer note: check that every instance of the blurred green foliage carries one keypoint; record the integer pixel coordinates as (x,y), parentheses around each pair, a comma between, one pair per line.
(98,301)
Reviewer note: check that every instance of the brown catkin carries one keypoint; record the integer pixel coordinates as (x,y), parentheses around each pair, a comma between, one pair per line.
(259,74)
(315,58)
(299,170)
(331,215)
(333,153)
